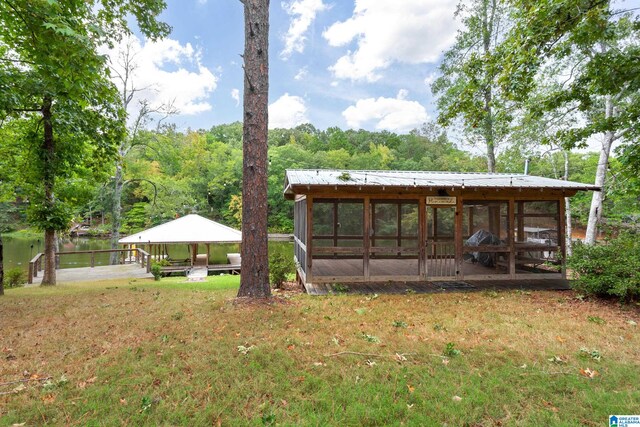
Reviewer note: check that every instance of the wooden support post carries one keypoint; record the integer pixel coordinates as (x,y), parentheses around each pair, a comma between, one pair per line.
(309,273)
(399,227)
(208,252)
(30,278)
(457,238)
(93,259)
(336,224)
(511,237)
(366,229)
(422,237)
(562,241)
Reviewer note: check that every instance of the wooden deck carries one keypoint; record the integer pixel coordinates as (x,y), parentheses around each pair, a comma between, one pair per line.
(441,277)
(93,274)
(425,287)
(397,267)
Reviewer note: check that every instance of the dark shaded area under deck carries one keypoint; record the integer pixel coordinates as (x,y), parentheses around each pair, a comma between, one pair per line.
(426,287)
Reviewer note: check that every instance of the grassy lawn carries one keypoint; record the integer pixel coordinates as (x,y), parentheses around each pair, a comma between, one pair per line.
(171,353)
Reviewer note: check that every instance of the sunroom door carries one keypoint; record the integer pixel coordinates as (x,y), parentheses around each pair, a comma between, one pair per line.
(440,251)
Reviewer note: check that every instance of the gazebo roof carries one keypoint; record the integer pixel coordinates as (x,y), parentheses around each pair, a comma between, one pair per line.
(187,229)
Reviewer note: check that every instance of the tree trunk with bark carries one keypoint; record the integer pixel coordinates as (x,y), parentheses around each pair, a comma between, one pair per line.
(254,280)
(116,213)
(48,148)
(595,212)
(489,134)
(567,209)
(1,267)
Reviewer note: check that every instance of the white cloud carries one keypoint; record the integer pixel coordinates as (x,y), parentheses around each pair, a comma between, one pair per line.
(428,81)
(235,94)
(394,114)
(389,31)
(303,13)
(167,72)
(302,73)
(287,112)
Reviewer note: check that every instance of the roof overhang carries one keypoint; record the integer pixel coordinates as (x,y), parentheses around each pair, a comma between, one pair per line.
(349,181)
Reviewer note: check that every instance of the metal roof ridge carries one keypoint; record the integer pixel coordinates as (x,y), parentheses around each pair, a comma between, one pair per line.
(408,172)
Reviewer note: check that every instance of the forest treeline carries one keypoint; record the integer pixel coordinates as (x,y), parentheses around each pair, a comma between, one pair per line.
(171,173)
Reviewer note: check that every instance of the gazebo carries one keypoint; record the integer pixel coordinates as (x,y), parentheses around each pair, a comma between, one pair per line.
(192,230)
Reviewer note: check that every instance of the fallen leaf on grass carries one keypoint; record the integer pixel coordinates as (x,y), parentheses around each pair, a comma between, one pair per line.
(456,398)
(589,373)
(445,362)
(291,346)
(245,350)
(550,406)
(560,339)
(400,358)
(83,384)
(48,398)
(19,388)
(558,359)
(632,322)
(123,402)
(411,389)
(370,363)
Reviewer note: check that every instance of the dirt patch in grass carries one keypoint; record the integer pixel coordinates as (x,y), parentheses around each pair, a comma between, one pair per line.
(148,353)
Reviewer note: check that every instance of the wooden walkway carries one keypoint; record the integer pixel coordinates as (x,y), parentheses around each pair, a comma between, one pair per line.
(427,287)
(93,274)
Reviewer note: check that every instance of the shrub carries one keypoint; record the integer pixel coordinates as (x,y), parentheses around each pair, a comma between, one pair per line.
(608,269)
(14,277)
(156,270)
(281,267)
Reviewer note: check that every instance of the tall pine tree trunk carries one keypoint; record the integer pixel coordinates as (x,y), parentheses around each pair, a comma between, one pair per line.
(48,149)
(254,280)
(595,212)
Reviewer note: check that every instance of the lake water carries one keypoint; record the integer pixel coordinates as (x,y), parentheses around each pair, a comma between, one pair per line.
(18,251)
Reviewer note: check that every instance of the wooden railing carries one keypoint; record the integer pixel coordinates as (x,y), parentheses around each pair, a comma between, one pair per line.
(35,265)
(142,257)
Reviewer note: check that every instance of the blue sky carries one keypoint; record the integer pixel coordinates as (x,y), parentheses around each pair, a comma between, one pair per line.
(352,64)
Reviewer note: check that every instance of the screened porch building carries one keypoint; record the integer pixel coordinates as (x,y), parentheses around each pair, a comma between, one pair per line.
(391,226)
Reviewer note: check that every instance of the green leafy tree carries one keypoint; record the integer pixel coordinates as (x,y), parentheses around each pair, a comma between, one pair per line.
(55,81)
(468,87)
(599,47)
